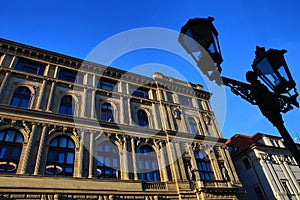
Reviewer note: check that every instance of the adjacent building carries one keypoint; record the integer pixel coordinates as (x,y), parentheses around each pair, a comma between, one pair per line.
(72,129)
(265,167)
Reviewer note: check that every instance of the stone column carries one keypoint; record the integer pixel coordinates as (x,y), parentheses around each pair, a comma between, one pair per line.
(91,155)
(28,149)
(4,82)
(124,165)
(93,104)
(50,98)
(227,160)
(161,153)
(41,94)
(135,175)
(40,150)
(180,161)
(81,153)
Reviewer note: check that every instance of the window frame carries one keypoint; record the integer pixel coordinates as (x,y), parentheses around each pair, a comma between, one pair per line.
(30,66)
(147,164)
(107,113)
(65,101)
(193,126)
(108,153)
(204,166)
(10,160)
(142,118)
(20,94)
(57,151)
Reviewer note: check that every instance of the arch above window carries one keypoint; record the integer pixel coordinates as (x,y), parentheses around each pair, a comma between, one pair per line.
(66,105)
(10,150)
(21,97)
(142,118)
(61,155)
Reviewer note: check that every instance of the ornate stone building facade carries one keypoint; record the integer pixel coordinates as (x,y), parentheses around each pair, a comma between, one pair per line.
(265,166)
(71,129)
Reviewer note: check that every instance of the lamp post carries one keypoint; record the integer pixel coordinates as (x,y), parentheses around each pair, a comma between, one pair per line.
(199,37)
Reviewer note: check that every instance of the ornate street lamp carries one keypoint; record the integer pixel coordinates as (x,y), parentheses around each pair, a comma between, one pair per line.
(272,69)
(199,35)
(269,65)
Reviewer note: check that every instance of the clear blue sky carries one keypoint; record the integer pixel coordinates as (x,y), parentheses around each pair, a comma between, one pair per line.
(76,27)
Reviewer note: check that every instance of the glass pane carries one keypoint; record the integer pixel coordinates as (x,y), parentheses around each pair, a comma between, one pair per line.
(61,157)
(70,157)
(51,156)
(10,136)
(107,161)
(63,142)
(24,103)
(2,135)
(115,162)
(54,142)
(19,138)
(155,176)
(147,164)
(15,101)
(16,152)
(69,169)
(71,144)
(4,152)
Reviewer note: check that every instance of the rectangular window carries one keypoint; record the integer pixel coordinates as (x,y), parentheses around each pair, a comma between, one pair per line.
(259,193)
(106,84)
(67,75)
(141,92)
(70,75)
(246,163)
(200,104)
(170,97)
(30,67)
(185,101)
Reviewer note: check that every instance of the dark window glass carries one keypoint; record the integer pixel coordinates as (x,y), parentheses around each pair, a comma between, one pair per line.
(141,92)
(70,75)
(185,101)
(66,105)
(107,161)
(106,84)
(170,97)
(203,164)
(60,160)
(107,112)
(246,163)
(142,118)
(193,125)
(30,67)
(147,164)
(10,150)
(259,194)
(200,105)
(21,97)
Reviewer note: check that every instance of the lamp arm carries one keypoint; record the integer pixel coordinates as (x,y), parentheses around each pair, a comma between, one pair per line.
(245,91)
(239,88)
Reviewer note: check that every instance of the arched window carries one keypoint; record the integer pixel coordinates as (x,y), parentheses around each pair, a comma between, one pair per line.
(142,118)
(147,164)
(21,97)
(204,167)
(193,125)
(66,105)
(107,112)
(10,150)
(108,163)
(60,159)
